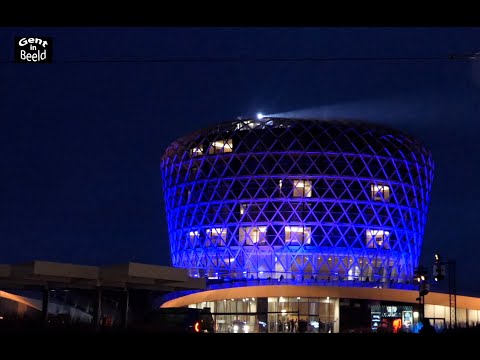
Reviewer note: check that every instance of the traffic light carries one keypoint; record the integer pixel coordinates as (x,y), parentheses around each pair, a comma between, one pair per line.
(438,268)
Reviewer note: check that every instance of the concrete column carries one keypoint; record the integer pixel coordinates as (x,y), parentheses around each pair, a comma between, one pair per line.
(336,316)
(262,313)
(97,308)
(45,301)
(126,301)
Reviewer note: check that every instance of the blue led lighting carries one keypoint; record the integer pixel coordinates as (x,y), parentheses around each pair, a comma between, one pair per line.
(297,199)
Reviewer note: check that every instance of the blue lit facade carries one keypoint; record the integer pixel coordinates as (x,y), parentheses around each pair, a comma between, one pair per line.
(297,199)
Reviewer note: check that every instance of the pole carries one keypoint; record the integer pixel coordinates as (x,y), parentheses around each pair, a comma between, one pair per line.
(452,285)
(45,301)
(423,306)
(97,310)
(125,309)
(452,292)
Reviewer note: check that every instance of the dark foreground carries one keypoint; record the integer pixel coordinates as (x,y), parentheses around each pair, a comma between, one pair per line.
(140,345)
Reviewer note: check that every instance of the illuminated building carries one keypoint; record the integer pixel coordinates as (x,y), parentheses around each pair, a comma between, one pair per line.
(276,205)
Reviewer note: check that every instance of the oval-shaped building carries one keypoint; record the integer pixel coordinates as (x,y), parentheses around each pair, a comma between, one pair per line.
(297,199)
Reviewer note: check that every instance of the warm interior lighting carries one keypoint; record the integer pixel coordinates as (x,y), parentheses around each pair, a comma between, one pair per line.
(196,151)
(380,192)
(221,146)
(217,236)
(253,235)
(243,207)
(302,188)
(298,234)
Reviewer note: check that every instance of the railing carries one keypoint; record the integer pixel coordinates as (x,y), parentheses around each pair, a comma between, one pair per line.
(380,283)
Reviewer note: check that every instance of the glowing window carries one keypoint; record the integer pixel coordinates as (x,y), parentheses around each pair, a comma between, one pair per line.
(253,235)
(243,208)
(193,236)
(377,239)
(196,151)
(380,192)
(248,124)
(221,146)
(302,188)
(216,236)
(298,235)
(353,273)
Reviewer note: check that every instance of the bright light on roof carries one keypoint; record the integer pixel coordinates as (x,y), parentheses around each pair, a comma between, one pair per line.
(259,116)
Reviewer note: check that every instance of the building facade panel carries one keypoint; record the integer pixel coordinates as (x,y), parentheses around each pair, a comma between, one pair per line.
(297,199)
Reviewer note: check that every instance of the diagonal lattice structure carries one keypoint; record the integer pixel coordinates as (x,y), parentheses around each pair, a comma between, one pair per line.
(289,198)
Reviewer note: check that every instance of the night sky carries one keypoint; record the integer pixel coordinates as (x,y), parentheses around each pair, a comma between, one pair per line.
(81,138)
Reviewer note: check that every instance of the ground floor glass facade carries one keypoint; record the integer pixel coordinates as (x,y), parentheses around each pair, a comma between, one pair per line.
(328,315)
(275,315)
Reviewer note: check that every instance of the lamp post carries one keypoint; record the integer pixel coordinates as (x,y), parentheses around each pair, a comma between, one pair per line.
(439,270)
(421,276)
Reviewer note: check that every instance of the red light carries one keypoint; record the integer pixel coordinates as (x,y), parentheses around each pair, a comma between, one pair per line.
(197,327)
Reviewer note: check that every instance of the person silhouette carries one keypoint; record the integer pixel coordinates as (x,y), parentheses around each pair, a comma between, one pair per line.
(427,328)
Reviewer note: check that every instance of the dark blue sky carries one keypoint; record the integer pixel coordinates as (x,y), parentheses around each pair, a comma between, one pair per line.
(80,142)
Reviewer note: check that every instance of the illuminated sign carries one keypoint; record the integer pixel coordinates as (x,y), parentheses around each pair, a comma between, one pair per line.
(376,320)
(407,318)
(391,311)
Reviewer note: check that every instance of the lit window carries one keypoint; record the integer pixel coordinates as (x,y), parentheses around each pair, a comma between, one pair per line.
(221,146)
(216,236)
(377,239)
(253,235)
(243,208)
(302,188)
(248,124)
(298,235)
(380,192)
(196,151)
(193,235)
